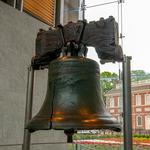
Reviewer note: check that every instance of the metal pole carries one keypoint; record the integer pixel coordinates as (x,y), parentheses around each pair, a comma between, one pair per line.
(21,5)
(76,146)
(28,111)
(14,4)
(58,12)
(127,113)
(62,5)
(83,9)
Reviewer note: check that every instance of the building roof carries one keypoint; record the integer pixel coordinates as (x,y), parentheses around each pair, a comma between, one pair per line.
(140,86)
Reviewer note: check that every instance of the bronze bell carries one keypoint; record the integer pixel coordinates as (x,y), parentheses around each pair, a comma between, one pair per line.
(73,100)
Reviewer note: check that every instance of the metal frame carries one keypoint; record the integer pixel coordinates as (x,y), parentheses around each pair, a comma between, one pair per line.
(62,12)
(59,12)
(83,9)
(28,109)
(14,4)
(127,110)
(20,4)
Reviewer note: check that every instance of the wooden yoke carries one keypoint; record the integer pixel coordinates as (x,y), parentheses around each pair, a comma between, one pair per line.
(102,35)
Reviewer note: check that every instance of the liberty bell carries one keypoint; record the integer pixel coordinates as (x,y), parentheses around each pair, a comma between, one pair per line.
(73,100)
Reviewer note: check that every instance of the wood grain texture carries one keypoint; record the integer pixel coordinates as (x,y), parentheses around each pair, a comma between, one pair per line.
(42,10)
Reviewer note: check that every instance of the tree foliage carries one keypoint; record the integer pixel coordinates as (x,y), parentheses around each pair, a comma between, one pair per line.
(137,75)
(108,80)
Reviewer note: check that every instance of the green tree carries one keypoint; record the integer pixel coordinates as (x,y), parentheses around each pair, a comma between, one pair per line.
(108,81)
(137,75)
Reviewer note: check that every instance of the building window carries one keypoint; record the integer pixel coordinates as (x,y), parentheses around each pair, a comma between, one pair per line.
(112,102)
(139,121)
(112,110)
(147,109)
(107,102)
(147,99)
(138,109)
(147,122)
(119,119)
(138,100)
(120,110)
(120,102)
(14,3)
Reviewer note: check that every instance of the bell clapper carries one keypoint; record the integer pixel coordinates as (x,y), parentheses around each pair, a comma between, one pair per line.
(69,133)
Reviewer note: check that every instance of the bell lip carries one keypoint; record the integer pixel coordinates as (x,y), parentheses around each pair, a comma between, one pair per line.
(32,127)
(46,124)
(112,127)
(35,126)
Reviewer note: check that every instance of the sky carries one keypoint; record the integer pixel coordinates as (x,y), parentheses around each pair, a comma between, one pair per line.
(135,28)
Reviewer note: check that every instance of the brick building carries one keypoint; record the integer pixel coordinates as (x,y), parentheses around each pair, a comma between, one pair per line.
(140,105)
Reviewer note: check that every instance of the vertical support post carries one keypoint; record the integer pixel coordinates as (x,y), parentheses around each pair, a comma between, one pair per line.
(21,6)
(127,113)
(58,12)
(14,4)
(83,9)
(28,111)
(62,12)
(76,148)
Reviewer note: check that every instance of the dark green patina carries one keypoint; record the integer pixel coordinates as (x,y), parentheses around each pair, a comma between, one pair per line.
(73,99)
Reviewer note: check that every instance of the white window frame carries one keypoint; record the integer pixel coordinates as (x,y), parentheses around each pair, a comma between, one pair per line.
(120,102)
(107,102)
(147,99)
(138,100)
(111,102)
(119,118)
(138,110)
(147,109)
(112,110)
(137,121)
(147,122)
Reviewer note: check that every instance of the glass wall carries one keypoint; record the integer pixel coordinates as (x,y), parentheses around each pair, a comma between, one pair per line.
(72,9)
